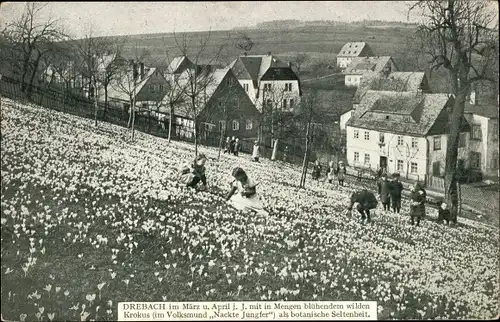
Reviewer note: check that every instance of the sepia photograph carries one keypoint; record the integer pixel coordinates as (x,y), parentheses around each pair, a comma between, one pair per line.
(249,160)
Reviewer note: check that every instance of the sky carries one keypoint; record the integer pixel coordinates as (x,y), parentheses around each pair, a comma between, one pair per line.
(125,18)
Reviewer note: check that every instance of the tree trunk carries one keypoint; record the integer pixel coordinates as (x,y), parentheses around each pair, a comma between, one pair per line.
(221,141)
(275,150)
(451,182)
(304,162)
(170,123)
(149,119)
(105,102)
(133,118)
(33,74)
(195,138)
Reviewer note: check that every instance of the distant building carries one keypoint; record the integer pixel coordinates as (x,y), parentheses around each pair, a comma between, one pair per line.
(403,131)
(361,67)
(483,142)
(352,50)
(268,81)
(224,107)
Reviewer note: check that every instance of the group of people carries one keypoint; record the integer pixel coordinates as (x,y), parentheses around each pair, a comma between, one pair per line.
(332,171)
(243,193)
(232,146)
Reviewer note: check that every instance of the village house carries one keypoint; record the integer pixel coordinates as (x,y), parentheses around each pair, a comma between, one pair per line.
(415,82)
(148,89)
(268,81)
(352,50)
(223,106)
(177,68)
(483,141)
(406,132)
(364,66)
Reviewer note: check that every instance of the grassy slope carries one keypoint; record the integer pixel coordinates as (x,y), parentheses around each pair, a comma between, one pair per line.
(68,186)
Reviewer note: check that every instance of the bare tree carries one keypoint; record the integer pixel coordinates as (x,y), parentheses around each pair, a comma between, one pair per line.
(30,41)
(244,42)
(306,114)
(461,37)
(196,81)
(298,60)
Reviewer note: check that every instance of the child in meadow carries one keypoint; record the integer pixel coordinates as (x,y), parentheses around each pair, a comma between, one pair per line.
(316,170)
(444,213)
(243,194)
(256,152)
(364,201)
(417,207)
(385,198)
(341,172)
(395,191)
(192,174)
(330,171)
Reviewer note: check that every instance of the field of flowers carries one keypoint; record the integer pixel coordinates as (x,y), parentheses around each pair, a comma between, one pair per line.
(90,219)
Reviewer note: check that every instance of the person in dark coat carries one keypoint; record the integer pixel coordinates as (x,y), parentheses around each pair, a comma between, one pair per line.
(395,191)
(365,201)
(192,174)
(341,172)
(385,198)
(316,170)
(231,145)
(444,213)
(417,208)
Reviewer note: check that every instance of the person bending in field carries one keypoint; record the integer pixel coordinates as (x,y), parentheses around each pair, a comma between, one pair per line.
(194,173)
(365,201)
(243,194)
(395,191)
(316,170)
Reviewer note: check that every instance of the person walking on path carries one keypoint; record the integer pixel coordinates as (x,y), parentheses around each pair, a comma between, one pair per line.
(237,146)
(395,192)
(256,152)
(341,172)
(385,198)
(227,147)
(365,201)
(417,208)
(316,170)
(194,173)
(330,171)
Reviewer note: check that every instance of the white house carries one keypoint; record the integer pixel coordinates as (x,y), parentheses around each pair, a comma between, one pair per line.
(402,131)
(352,50)
(361,67)
(268,80)
(483,143)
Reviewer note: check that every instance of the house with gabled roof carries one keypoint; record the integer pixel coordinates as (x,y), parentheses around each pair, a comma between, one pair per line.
(352,50)
(482,142)
(415,82)
(268,80)
(362,67)
(224,107)
(405,132)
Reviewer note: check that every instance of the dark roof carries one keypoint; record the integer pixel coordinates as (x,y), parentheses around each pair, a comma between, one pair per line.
(399,112)
(256,66)
(486,110)
(353,49)
(394,82)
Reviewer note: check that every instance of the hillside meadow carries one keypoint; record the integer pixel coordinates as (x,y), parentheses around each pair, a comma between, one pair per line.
(90,219)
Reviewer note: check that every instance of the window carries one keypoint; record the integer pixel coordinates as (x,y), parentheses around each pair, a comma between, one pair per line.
(494,160)
(400,166)
(144,106)
(152,88)
(414,143)
(367,158)
(437,143)
(356,134)
(348,79)
(162,88)
(267,87)
(400,140)
(288,87)
(436,169)
(229,82)
(245,87)
(475,160)
(285,102)
(291,102)
(222,125)
(476,132)
(367,135)
(494,130)
(236,125)
(462,140)
(269,102)
(381,137)
(356,156)
(249,124)
(413,167)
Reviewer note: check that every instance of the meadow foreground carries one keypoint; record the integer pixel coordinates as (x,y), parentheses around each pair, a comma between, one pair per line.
(90,219)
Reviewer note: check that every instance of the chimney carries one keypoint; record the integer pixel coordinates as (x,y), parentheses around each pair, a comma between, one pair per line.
(142,70)
(473,98)
(290,64)
(269,53)
(245,53)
